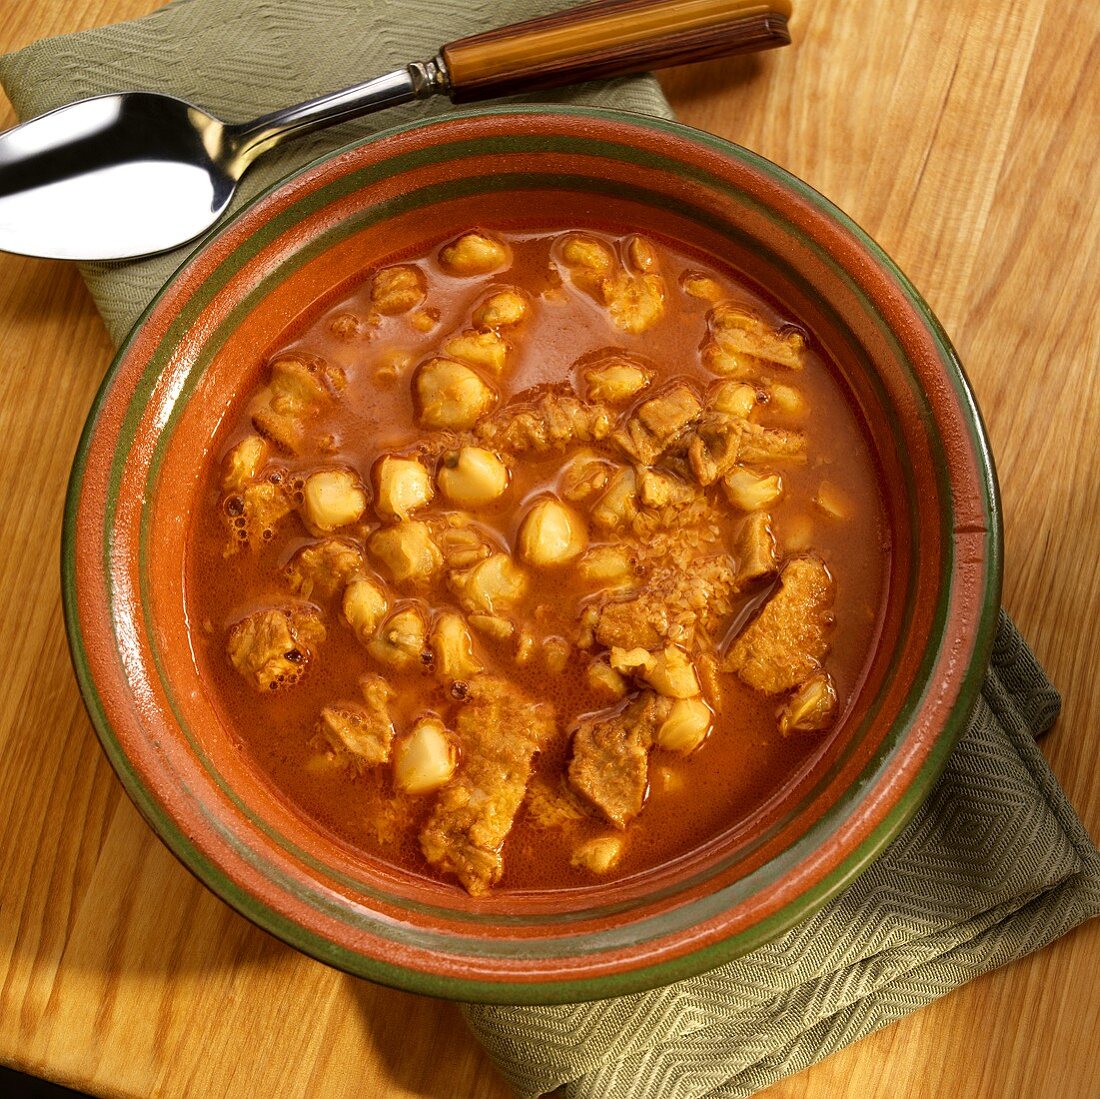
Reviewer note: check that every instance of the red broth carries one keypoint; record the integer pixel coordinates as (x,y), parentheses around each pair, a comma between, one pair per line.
(831,506)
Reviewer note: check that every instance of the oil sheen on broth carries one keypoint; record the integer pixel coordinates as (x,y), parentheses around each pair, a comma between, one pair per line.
(537,560)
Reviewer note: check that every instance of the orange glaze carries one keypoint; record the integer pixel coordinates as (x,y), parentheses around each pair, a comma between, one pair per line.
(744,760)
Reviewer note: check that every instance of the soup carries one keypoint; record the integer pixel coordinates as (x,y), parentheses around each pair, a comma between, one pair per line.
(538,559)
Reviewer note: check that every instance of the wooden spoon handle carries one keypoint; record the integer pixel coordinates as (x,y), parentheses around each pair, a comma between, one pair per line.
(609,38)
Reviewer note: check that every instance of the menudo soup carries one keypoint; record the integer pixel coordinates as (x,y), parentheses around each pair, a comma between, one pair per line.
(538,559)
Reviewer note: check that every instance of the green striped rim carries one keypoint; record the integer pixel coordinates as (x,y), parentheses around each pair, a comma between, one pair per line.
(700,910)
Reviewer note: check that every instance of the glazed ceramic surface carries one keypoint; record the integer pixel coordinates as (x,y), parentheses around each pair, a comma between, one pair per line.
(136,481)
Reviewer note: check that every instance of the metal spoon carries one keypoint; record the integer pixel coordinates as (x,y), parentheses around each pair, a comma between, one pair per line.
(128,175)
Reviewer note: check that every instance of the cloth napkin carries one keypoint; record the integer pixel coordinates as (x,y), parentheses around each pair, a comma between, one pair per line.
(995,864)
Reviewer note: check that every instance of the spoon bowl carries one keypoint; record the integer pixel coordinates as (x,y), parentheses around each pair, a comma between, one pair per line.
(113,177)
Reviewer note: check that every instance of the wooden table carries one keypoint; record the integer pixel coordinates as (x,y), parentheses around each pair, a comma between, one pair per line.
(963,135)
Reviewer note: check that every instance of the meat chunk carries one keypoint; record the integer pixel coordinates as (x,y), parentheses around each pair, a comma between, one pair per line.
(300,384)
(272,648)
(785,644)
(674,605)
(661,529)
(253,514)
(743,343)
(770,444)
(639,623)
(323,568)
(661,490)
(549,420)
(552,804)
(610,764)
(634,295)
(714,446)
(756,548)
(499,731)
(657,423)
(361,734)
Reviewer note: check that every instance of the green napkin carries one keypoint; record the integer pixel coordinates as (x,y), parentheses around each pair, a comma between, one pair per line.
(995,865)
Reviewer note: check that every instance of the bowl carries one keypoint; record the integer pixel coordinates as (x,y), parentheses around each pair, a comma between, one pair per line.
(135,481)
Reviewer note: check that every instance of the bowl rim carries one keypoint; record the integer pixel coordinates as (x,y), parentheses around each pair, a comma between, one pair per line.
(652,972)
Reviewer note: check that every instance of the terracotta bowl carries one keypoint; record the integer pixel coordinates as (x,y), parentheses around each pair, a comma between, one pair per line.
(136,481)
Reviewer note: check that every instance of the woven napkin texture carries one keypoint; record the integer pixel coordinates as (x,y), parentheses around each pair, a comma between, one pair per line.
(995,865)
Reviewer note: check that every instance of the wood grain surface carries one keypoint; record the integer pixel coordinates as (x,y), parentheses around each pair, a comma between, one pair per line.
(963,135)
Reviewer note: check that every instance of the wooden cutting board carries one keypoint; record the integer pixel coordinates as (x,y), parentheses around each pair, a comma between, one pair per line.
(963,134)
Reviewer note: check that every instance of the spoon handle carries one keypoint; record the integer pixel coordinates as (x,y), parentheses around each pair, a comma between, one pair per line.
(249,140)
(601,39)
(609,38)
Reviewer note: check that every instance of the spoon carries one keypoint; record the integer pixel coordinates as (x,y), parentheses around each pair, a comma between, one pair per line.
(128,175)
